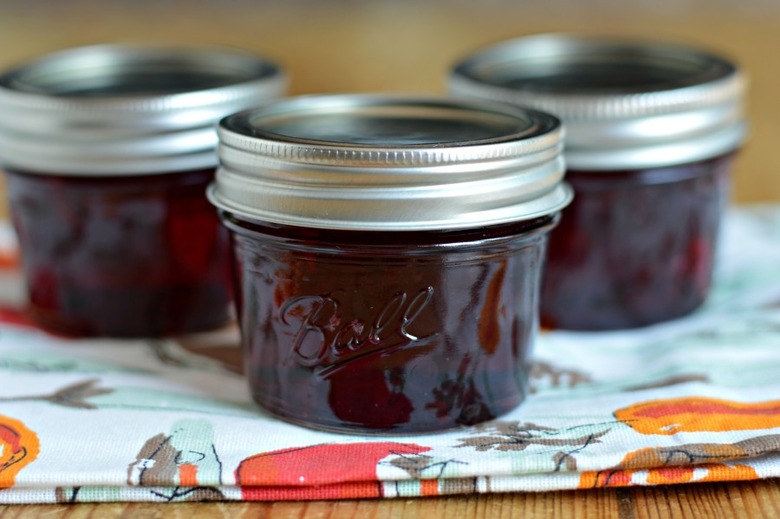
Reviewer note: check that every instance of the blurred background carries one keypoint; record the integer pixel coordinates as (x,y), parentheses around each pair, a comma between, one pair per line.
(408,45)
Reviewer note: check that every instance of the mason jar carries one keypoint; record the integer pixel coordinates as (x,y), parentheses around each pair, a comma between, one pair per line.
(108,151)
(387,255)
(652,131)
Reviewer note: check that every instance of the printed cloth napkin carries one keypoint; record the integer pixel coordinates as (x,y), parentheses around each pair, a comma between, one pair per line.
(697,399)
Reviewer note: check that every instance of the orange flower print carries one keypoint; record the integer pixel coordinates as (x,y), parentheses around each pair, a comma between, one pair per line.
(18,447)
(698,414)
(666,476)
(700,462)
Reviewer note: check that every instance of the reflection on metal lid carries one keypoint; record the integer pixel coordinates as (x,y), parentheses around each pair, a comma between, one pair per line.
(389,162)
(126,109)
(626,104)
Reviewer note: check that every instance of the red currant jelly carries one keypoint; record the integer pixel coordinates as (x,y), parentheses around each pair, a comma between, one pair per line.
(389,332)
(123,256)
(109,150)
(635,247)
(388,253)
(652,129)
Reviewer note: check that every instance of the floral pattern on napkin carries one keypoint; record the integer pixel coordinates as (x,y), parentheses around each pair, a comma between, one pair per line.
(167,420)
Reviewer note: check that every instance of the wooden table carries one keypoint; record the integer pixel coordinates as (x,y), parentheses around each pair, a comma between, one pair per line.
(760,499)
(331,46)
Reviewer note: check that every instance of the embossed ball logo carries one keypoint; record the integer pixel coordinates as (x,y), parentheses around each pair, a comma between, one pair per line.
(325,339)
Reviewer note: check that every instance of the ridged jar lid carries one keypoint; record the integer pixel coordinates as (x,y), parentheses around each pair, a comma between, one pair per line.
(626,104)
(373,162)
(126,109)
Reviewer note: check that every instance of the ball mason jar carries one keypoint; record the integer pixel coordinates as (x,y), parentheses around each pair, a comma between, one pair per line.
(387,255)
(108,152)
(652,129)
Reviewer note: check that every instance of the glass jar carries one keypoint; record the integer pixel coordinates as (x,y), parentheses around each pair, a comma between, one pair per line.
(387,254)
(652,130)
(109,150)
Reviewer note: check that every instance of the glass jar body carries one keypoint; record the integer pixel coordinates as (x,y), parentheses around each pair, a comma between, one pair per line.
(368,331)
(128,256)
(635,247)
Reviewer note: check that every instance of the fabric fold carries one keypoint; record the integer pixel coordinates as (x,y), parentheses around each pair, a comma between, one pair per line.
(167,420)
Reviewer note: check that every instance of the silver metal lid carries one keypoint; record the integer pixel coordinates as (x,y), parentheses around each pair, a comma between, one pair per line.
(625,104)
(126,109)
(367,162)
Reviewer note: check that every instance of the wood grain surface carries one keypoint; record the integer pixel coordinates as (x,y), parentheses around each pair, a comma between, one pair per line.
(407,46)
(710,501)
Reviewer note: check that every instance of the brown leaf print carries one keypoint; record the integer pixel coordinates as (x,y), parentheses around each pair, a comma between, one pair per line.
(670,381)
(66,495)
(458,486)
(565,459)
(514,436)
(74,395)
(227,354)
(174,471)
(540,371)
(191,494)
(416,464)
(155,464)
(701,453)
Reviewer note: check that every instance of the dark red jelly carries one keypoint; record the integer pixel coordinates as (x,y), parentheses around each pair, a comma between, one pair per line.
(635,247)
(388,253)
(387,331)
(122,256)
(109,150)
(650,131)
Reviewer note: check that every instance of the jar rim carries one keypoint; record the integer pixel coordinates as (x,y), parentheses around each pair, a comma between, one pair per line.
(127,108)
(105,77)
(392,162)
(626,103)
(601,77)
